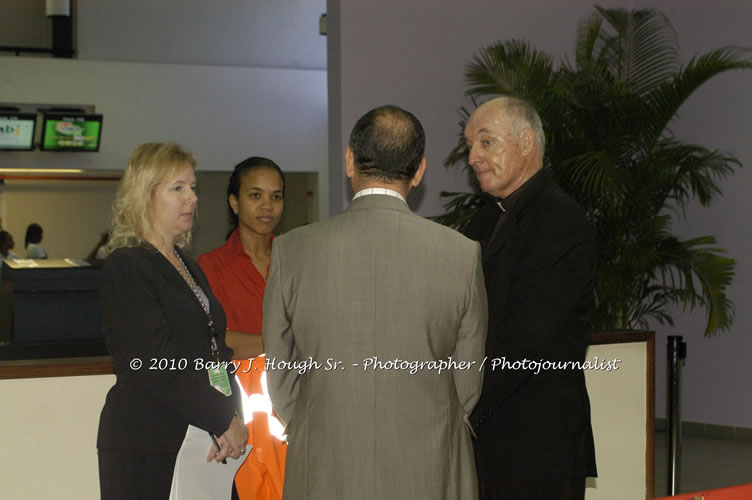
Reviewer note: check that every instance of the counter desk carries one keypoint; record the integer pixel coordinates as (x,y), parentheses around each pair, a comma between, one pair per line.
(50,412)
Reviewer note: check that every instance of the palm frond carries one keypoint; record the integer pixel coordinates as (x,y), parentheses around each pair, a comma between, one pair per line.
(595,176)
(608,145)
(588,34)
(510,68)
(645,45)
(460,209)
(693,260)
(459,154)
(667,98)
(688,171)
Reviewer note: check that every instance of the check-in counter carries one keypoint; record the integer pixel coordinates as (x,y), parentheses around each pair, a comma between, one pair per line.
(49,301)
(50,413)
(622,403)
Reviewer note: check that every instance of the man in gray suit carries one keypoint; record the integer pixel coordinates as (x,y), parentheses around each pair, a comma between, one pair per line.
(374,330)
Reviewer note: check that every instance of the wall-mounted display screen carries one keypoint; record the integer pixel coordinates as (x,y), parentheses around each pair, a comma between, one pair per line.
(17,131)
(71,132)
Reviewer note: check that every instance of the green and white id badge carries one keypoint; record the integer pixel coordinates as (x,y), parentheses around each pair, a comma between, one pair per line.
(219,380)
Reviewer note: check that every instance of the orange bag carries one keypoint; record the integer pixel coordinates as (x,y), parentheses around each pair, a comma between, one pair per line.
(262,475)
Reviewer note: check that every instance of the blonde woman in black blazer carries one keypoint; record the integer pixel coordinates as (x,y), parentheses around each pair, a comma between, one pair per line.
(161,324)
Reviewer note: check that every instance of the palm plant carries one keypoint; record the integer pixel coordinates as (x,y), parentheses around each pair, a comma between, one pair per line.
(607,118)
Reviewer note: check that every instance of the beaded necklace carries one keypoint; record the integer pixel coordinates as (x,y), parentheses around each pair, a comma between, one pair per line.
(197,291)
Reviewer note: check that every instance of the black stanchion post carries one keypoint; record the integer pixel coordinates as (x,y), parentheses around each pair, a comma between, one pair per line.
(676,352)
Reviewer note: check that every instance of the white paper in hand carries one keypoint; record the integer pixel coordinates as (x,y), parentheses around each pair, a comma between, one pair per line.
(194,478)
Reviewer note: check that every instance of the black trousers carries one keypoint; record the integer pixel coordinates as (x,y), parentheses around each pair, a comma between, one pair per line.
(132,475)
(559,489)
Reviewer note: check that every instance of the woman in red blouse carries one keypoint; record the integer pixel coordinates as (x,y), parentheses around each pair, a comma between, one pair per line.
(237,274)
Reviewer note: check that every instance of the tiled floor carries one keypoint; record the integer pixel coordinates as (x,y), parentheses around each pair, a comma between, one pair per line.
(705,463)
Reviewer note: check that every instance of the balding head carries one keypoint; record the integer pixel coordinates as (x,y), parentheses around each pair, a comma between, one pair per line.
(519,115)
(387,143)
(504,137)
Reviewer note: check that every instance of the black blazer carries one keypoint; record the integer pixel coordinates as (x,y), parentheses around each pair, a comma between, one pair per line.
(150,313)
(539,270)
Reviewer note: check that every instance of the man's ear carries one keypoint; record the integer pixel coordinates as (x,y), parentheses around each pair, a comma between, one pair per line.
(349,162)
(419,173)
(526,142)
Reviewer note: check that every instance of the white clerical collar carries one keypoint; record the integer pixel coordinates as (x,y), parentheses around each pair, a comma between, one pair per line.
(389,192)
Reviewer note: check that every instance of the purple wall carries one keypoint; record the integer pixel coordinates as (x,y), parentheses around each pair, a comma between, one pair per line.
(413,53)
(717,376)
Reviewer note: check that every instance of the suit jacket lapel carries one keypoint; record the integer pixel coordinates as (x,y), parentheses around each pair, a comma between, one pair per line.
(481,225)
(169,272)
(501,237)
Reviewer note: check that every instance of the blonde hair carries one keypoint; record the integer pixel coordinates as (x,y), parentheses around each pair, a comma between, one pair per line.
(149,165)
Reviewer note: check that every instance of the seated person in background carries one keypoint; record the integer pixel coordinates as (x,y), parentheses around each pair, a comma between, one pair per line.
(99,252)
(6,246)
(237,274)
(32,243)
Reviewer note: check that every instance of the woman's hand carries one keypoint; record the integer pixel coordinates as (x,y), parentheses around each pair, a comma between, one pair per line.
(232,443)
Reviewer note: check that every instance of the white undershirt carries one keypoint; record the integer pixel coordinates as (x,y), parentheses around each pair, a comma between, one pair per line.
(386,191)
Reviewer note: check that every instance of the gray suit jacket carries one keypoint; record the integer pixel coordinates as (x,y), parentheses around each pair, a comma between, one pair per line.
(378,290)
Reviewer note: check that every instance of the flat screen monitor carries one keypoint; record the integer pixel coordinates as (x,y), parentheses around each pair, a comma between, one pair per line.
(71,132)
(17,131)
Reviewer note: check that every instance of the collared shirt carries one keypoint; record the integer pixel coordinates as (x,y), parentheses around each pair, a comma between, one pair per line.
(386,191)
(236,283)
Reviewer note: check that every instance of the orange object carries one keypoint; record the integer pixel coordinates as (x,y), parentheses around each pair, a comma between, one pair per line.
(262,475)
(741,492)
